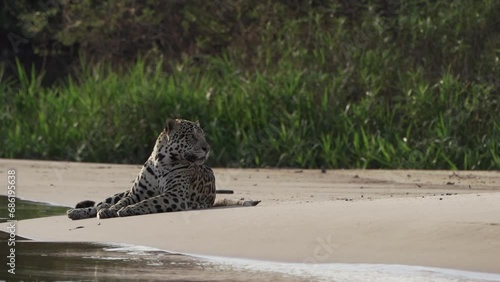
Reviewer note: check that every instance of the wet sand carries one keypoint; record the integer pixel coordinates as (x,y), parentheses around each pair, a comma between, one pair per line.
(428,218)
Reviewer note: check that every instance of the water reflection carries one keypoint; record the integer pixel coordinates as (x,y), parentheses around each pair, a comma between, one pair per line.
(49,261)
(28,209)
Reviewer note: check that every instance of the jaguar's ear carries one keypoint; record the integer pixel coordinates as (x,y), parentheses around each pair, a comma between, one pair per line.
(171,125)
(197,123)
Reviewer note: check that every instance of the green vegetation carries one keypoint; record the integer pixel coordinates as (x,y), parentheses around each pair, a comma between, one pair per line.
(415,87)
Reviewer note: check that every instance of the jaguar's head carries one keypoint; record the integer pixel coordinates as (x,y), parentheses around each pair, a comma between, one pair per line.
(186,141)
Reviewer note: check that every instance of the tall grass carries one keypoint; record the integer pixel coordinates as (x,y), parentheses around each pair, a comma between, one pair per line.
(318,95)
(252,120)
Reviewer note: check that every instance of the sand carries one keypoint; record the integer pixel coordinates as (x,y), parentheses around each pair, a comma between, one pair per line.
(428,218)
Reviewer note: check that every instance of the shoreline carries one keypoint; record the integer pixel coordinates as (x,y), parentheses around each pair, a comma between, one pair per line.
(438,219)
(246,269)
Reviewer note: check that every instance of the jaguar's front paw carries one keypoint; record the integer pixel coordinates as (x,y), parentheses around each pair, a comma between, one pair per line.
(75,214)
(106,213)
(127,211)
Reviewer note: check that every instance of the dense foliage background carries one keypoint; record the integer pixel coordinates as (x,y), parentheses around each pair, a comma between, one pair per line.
(335,84)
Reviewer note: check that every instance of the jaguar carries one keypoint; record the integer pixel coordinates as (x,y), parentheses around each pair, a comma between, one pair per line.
(174,178)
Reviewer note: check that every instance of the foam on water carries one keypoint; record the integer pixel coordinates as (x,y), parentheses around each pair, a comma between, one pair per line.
(357,272)
(332,271)
(133,249)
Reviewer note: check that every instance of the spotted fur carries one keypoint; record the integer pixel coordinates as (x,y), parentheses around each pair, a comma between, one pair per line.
(174,178)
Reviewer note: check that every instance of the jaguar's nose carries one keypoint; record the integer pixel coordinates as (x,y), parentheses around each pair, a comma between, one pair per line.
(205,148)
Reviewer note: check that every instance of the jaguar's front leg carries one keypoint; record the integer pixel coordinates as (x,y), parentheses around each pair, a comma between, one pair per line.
(112,211)
(145,183)
(167,202)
